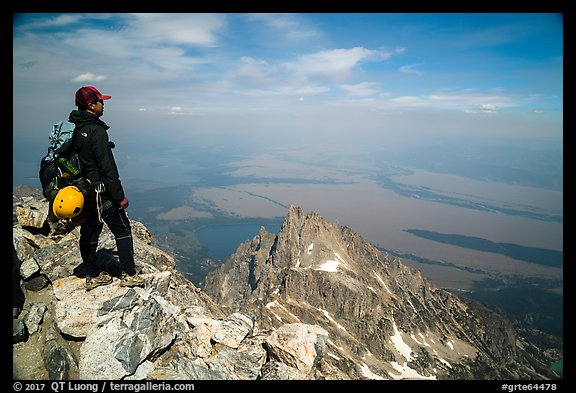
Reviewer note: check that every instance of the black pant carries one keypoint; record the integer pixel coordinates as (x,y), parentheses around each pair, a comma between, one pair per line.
(119,224)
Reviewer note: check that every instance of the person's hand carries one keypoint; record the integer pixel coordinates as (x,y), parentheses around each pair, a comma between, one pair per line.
(123,204)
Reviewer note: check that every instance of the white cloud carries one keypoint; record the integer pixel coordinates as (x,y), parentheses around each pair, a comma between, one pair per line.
(489,108)
(360,89)
(335,63)
(89,77)
(410,69)
(178,29)
(277,21)
(62,20)
(250,67)
(408,102)
(176,110)
(286,90)
(465,100)
(289,27)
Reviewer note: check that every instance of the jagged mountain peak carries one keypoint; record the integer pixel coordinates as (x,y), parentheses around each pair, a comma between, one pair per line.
(307,241)
(383,318)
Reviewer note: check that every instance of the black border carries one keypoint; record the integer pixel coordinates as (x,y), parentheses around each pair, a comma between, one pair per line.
(357,6)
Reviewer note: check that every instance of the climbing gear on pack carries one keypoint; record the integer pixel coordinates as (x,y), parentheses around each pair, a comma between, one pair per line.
(69,170)
(68,203)
(99,188)
(60,167)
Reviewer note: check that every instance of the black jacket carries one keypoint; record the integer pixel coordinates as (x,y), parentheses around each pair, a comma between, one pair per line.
(95,153)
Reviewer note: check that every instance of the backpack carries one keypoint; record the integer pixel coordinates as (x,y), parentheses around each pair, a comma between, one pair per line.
(60,167)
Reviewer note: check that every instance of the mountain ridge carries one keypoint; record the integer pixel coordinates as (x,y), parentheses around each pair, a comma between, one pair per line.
(264,321)
(361,291)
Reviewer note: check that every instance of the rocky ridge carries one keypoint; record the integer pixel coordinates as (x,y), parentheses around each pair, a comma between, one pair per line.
(315,301)
(167,330)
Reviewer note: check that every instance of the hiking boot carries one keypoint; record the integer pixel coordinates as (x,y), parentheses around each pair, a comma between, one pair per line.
(102,279)
(131,281)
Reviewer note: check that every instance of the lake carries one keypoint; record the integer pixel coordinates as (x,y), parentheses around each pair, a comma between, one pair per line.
(221,240)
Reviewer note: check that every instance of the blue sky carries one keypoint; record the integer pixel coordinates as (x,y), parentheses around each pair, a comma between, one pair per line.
(376,74)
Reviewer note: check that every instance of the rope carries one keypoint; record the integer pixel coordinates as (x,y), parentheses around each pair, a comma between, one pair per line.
(99,189)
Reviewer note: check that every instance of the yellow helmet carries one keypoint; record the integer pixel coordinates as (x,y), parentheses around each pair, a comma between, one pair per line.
(68,202)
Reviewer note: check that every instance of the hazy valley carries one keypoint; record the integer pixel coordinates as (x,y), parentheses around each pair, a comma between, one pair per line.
(223,197)
(201,201)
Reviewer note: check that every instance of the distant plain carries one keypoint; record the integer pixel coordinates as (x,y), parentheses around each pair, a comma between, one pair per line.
(424,203)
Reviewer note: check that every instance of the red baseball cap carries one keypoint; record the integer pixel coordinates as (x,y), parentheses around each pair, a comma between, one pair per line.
(87,95)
